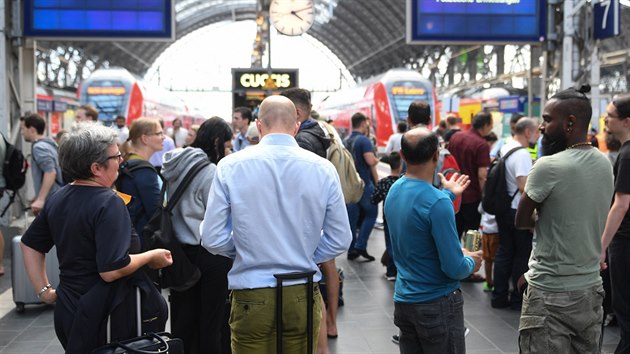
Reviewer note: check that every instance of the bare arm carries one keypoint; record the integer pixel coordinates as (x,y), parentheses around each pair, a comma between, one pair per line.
(482,172)
(524,219)
(370,159)
(48,180)
(156,259)
(616,214)
(34,262)
(520,181)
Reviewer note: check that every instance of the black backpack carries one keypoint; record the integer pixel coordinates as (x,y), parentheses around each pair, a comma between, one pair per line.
(14,171)
(125,170)
(159,233)
(496,199)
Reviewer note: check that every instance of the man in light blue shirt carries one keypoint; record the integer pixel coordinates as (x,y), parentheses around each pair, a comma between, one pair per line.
(274,208)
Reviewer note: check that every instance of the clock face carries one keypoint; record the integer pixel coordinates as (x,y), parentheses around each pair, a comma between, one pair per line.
(292,17)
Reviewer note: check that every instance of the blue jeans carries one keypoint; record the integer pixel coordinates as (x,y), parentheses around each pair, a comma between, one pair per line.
(435,326)
(369,211)
(511,260)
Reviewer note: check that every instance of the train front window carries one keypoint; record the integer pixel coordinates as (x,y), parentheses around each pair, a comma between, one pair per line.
(403,93)
(108,100)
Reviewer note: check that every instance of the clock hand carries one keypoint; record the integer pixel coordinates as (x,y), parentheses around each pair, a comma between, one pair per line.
(300,10)
(296,15)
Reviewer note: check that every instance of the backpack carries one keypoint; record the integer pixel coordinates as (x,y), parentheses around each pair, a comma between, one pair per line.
(496,199)
(447,165)
(14,171)
(158,233)
(65,179)
(126,170)
(351,183)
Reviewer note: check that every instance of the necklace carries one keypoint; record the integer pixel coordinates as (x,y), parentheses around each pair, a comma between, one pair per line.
(585,143)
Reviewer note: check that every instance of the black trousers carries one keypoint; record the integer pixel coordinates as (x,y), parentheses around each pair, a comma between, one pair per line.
(618,252)
(198,314)
(468,218)
(510,263)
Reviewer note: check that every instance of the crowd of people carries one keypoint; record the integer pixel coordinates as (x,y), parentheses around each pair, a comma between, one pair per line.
(267,202)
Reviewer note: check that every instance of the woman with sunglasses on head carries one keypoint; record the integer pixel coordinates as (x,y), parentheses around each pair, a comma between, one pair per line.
(138,178)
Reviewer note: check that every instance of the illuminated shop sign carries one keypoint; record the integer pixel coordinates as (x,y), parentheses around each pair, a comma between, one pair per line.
(261,79)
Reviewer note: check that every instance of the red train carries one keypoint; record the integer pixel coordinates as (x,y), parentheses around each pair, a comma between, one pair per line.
(384,99)
(116,91)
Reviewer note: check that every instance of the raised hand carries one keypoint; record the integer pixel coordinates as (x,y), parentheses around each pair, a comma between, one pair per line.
(457,184)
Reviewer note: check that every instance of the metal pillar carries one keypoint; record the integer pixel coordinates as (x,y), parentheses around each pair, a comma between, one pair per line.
(4,80)
(567,45)
(595,95)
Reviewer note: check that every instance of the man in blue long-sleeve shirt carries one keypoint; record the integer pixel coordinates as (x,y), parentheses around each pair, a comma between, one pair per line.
(427,252)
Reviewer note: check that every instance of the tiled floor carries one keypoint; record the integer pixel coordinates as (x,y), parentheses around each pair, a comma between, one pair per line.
(365,322)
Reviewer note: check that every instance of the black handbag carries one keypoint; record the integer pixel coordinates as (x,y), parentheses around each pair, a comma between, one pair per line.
(150,343)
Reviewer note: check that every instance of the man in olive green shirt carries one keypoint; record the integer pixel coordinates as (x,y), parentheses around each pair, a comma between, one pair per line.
(570,188)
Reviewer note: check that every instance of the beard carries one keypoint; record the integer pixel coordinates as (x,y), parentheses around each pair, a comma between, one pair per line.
(553,144)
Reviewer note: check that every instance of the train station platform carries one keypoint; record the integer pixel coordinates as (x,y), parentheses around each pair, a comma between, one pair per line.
(365,322)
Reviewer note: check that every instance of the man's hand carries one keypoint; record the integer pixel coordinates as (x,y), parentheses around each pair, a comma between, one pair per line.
(602,261)
(49,297)
(160,258)
(476,256)
(37,206)
(457,184)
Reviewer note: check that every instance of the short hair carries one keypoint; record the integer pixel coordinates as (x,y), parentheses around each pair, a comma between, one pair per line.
(245,113)
(419,113)
(491,138)
(90,111)
(211,138)
(394,160)
(452,119)
(524,124)
(574,102)
(422,151)
(79,149)
(442,124)
(357,119)
(36,121)
(515,117)
(481,119)
(402,126)
(299,97)
(120,117)
(622,105)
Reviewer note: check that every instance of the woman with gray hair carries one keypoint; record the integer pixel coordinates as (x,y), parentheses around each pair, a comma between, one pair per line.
(90,226)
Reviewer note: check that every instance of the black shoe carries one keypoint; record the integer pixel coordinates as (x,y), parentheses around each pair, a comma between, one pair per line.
(365,255)
(499,303)
(396,339)
(352,255)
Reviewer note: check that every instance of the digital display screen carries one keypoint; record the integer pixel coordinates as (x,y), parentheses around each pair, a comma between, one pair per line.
(112,19)
(261,79)
(475,21)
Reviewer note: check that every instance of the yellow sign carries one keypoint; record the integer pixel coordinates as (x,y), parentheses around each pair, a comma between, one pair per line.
(401,90)
(250,80)
(97,90)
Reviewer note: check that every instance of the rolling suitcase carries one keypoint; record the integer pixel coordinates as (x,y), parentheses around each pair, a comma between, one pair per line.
(23,292)
(309,308)
(147,343)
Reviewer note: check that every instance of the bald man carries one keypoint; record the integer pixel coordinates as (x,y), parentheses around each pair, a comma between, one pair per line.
(274,208)
(429,257)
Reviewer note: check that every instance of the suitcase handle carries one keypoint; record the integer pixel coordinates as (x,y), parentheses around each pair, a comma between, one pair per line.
(309,307)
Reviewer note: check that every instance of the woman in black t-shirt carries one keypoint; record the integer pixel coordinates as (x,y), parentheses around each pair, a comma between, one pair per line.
(90,226)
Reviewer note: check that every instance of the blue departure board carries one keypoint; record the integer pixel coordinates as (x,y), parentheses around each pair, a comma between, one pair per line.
(107,19)
(475,21)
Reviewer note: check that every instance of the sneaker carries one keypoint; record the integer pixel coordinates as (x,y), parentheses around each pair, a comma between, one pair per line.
(466,331)
(487,287)
(390,277)
(396,339)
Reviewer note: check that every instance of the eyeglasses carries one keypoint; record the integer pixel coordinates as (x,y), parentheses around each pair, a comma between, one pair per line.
(119,157)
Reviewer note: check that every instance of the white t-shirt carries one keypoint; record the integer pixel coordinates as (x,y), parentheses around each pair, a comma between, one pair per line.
(394,143)
(517,165)
(179,136)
